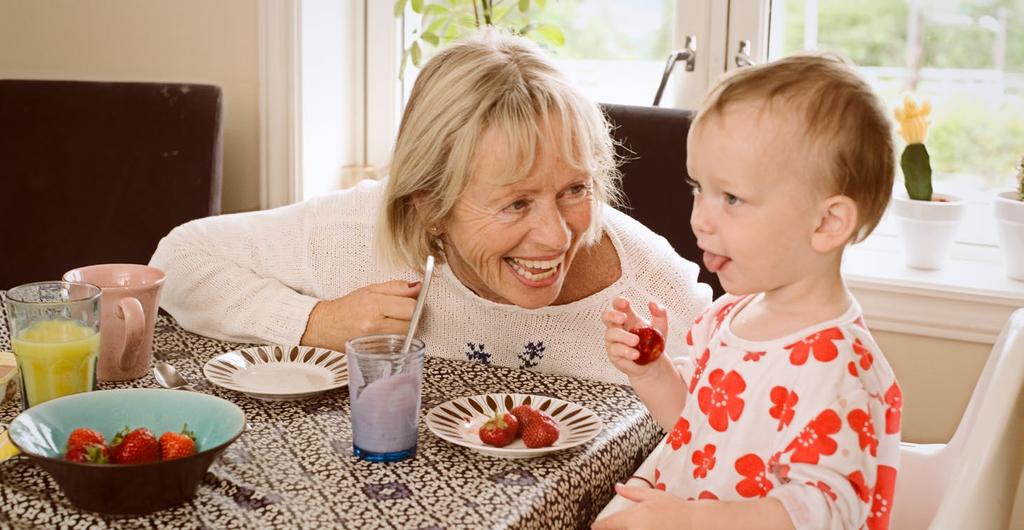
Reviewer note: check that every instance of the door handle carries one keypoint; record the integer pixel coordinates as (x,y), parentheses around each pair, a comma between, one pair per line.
(688,55)
(743,55)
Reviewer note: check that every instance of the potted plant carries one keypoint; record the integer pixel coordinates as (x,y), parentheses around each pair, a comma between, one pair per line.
(927,221)
(1009,210)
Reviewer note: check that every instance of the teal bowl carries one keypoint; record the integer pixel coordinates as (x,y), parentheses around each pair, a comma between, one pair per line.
(128,489)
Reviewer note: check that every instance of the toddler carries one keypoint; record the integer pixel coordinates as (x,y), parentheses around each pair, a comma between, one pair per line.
(786,414)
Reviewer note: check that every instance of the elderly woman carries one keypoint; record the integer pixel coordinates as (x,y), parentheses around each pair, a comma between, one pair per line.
(504,172)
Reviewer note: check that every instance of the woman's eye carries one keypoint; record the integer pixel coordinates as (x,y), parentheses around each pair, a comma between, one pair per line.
(578,189)
(518,206)
(732,200)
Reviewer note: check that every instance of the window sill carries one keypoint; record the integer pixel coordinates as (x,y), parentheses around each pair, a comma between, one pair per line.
(969,300)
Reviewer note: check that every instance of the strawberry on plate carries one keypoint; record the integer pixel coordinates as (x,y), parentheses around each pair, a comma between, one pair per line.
(177,444)
(137,446)
(541,431)
(524,413)
(500,430)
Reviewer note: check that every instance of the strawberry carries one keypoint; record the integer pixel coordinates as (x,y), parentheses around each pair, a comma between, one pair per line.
(541,431)
(500,430)
(82,436)
(134,447)
(650,346)
(177,444)
(88,453)
(524,413)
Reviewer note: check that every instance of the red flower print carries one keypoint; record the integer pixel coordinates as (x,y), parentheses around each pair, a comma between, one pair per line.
(755,483)
(859,486)
(860,422)
(689,337)
(753,356)
(680,434)
(702,363)
(704,495)
(722,313)
(814,440)
(893,398)
(881,499)
(721,400)
(699,318)
(865,354)
(778,469)
(819,343)
(657,482)
(704,461)
(785,402)
(852,368)
(824,487)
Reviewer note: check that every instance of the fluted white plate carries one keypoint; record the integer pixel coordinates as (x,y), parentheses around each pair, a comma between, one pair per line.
(459,420)
(278,373)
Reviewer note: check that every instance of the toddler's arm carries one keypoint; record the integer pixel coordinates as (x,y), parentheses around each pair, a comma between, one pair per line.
(655,507)
(658,384)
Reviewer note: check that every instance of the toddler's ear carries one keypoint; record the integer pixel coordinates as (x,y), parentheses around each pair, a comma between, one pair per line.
(836,223)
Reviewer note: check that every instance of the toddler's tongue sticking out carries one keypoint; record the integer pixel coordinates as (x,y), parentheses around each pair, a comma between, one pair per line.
(714,262)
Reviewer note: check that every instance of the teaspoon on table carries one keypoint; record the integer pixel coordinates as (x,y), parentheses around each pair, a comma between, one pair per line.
(167,377)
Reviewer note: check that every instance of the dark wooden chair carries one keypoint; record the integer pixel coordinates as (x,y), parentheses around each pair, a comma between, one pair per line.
(652,142)
(98,172)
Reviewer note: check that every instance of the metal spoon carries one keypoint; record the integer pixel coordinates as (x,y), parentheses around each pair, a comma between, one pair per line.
(167,377)
(421,300)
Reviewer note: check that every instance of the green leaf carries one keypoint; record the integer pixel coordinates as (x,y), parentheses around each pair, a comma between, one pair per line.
(400,7)
(416,53)
(401,69)
(434,10)
(431,38)
(541,3)
(551,33)
(435,25)
(524,6)
(417,6)
(917,172)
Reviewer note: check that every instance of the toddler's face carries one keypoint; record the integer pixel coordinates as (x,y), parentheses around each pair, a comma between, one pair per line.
(755,207)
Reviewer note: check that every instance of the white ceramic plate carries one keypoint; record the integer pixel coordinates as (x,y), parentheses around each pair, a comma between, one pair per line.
(459,420)
(279,373)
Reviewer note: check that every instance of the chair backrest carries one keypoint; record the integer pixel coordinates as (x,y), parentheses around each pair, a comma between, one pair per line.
(98,172)
(971,481)
(652,143)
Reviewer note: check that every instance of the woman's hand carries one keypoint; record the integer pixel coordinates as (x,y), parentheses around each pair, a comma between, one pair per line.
(620,344)
(652,509)
(375,309)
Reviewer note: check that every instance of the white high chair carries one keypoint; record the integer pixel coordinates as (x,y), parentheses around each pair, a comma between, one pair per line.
(971,481)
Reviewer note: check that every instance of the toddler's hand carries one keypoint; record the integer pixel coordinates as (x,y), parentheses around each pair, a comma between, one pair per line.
(620,344)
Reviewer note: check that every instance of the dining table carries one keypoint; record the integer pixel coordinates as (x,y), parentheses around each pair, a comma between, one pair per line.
(294,467)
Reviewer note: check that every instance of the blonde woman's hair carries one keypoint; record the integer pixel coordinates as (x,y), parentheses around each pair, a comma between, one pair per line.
(848,128)
(490,80)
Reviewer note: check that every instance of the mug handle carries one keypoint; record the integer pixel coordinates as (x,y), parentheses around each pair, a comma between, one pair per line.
(130,311)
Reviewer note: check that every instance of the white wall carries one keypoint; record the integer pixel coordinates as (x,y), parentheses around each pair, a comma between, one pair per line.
(198,41)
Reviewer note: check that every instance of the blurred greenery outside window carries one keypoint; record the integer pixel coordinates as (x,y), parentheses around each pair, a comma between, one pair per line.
(966,56)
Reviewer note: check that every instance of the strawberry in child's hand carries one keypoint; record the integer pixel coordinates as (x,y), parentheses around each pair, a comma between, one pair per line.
(650,346)
(177,444)
(500,430)
(90,453)
(134,447)
(541,431)
(82,436)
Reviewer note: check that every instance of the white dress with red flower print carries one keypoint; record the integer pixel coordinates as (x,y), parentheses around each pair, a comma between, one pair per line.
(812,419)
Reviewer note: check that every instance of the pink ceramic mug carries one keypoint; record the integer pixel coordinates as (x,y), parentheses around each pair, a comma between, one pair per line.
(130,299)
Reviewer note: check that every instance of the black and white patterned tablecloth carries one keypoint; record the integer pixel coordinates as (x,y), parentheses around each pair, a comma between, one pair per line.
(295,469)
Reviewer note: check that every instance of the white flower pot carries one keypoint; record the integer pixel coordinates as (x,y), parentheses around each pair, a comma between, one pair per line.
(927,228)
(1009,214)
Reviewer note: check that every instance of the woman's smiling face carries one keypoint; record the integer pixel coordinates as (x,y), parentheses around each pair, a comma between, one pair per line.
(514,242)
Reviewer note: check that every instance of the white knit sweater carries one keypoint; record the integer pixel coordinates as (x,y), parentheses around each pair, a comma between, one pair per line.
(255,277)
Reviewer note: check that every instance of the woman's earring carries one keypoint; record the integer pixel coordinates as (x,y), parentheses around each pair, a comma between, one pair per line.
(435,230)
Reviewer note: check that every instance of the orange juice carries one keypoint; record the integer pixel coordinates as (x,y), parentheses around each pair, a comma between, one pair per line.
(56,358)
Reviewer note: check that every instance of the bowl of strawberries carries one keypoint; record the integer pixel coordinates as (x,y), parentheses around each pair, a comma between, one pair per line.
(130,451)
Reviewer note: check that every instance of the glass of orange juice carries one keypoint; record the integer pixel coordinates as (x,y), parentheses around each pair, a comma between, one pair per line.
(55,335)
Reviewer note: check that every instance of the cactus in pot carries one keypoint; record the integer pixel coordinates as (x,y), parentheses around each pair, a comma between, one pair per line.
(915,162)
